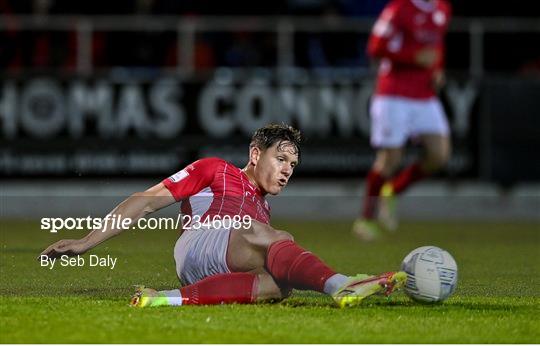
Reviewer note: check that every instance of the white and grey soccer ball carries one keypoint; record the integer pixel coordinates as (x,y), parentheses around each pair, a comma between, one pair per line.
(432,274)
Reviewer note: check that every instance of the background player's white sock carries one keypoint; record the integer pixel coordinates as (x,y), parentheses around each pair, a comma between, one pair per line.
(334,283)
(173,296)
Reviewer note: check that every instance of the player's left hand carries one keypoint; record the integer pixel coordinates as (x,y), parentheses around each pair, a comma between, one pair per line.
(69,247)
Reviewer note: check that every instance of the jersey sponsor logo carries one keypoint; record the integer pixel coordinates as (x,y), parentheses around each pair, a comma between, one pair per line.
(383,28)
(178,176)
(439,18)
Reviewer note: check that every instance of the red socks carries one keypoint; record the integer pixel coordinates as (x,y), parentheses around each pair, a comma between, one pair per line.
(222,289)
(374,182)
(292,266)
(406,177)
(289,264)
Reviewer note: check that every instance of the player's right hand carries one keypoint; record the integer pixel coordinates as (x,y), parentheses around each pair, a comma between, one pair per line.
(427,57)
(439,79)
(69,247)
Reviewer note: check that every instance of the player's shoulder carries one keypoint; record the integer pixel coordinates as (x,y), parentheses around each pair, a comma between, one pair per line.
(208,163)
(212,163)
(445,6)
(396,8)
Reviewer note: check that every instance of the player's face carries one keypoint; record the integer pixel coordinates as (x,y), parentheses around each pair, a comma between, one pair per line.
(274,166)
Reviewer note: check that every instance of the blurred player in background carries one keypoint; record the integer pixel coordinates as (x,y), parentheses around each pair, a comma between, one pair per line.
(408,42)
(220,264)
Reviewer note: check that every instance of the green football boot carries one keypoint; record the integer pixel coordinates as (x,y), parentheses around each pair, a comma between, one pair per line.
(361,286)
(146,297)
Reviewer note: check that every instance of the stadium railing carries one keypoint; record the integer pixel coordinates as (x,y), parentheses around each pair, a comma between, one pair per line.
(284,27)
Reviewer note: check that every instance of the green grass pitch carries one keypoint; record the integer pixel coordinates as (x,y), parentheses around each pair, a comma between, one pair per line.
(497,300)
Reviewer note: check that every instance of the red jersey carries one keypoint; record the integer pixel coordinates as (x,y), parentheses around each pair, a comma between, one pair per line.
(402,30)
(214,187)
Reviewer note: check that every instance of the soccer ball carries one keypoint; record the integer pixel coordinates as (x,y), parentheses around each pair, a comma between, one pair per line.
(431,274)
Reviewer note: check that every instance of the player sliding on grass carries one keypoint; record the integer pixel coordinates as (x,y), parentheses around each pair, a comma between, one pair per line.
(247,264)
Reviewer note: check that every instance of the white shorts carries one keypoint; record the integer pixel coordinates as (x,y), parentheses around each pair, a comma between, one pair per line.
(201,253)
(395,119)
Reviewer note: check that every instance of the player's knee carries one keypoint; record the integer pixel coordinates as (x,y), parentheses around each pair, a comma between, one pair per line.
(390,168)
(274,235)
(387,169)
(387,162)
(268,289)
(437,160)
(282,235)
(272,294)
(267,235)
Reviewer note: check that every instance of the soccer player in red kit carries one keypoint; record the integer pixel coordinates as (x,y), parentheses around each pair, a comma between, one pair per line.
(408,42)
(219,263)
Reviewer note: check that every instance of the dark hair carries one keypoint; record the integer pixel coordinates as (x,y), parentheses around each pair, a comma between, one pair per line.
(267,136)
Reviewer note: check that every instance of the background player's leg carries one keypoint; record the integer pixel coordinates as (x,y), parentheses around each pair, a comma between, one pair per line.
(437,152)
(389,132)
(430,123)
(386,162)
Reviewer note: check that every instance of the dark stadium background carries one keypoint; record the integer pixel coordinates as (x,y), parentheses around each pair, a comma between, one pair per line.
(116,92)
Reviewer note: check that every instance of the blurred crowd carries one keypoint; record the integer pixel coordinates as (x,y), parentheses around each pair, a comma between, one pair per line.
(23,50)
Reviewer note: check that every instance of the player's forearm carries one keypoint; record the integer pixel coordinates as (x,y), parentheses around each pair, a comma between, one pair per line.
(119,219)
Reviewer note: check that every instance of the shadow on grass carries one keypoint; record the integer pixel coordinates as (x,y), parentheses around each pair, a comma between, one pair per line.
(93,293)
(471,306)
(319,300)
(15,250)
(314,300)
